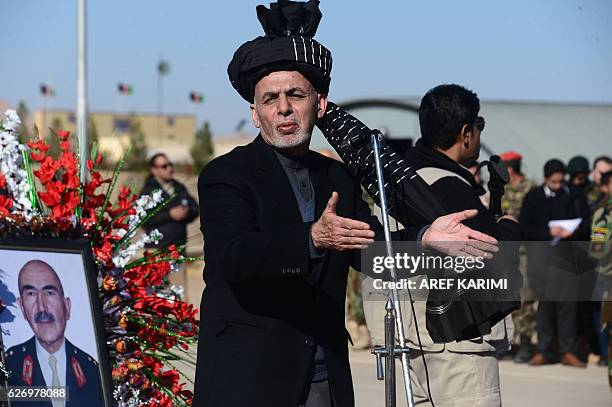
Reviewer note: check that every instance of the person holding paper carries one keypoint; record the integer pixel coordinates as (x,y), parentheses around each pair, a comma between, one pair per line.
(551,275)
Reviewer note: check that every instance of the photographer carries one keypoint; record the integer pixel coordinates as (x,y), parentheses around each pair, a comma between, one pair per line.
(182,209)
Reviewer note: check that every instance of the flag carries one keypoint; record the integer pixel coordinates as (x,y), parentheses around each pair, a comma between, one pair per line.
(125,89)
(46,90)
(196,97)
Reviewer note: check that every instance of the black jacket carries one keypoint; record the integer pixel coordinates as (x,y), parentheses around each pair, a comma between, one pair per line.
(267,303)
(479,310)
(82,374)
(563,271)
(174,232)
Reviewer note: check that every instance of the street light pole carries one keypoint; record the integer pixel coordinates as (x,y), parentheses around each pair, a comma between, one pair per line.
(162,69)
(81,108)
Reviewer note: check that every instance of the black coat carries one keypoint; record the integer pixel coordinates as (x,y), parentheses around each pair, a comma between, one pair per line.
(22,361)
(174,232)
(267,304)
(564,271)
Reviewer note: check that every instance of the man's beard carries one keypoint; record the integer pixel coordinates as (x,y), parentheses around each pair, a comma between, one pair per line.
(298,139)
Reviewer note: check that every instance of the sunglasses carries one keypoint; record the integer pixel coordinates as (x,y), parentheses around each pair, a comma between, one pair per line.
(479,123)
(164,166)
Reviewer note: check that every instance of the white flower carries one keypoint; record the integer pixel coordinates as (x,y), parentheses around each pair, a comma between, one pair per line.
(156,236)
(12,120)
(142,207)
(119,232)
(157,196)
(123,255)
(178,291)
(7,138)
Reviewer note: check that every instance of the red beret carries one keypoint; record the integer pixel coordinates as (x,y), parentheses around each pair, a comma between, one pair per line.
(510,156)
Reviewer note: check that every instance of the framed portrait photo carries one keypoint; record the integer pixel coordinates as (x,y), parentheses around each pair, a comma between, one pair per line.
(52,333)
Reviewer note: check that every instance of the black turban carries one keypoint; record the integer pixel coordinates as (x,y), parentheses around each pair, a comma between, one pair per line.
(287,46)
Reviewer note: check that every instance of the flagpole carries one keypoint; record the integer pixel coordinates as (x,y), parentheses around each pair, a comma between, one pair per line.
(81,111)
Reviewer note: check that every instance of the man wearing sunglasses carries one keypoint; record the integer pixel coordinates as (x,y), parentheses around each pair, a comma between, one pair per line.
(465,373)
(172,219)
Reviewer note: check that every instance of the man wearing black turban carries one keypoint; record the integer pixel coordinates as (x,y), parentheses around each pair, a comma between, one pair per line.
(282,225)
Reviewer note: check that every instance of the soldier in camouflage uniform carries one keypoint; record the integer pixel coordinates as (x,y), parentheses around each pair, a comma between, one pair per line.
(595,197)
(512,201)
(601,241)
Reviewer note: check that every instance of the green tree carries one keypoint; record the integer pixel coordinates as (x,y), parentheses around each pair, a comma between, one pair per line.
(137,159)
(202,149)
(22,131)
(52,139)
(92,135)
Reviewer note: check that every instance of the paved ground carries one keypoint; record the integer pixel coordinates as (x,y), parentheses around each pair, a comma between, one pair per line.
(521,386)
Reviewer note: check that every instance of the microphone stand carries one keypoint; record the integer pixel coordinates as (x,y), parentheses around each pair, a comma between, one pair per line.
(393,317)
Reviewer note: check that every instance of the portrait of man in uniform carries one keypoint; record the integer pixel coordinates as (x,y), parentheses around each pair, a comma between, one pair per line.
(48,358)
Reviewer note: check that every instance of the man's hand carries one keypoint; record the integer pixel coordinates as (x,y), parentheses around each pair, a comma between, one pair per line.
(334,232)
(180,212)
(561,233)
(448,235)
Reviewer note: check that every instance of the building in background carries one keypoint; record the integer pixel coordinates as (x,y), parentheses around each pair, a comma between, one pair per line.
(172,134)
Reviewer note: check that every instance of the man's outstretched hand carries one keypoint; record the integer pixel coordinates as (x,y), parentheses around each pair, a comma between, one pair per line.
(448,235)
(334,232)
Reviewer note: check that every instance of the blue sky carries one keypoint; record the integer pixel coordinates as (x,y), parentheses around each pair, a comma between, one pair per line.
(546,50)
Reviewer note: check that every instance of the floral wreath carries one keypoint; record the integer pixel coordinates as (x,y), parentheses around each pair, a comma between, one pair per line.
(147,325)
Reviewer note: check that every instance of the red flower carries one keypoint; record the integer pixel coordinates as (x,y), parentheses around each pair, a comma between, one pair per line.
(6,204)
(103,251)
(69,161)
(2,180)
(39,145)
(47,170)
(170,378)
(63,135)
(70,200)
(51,197)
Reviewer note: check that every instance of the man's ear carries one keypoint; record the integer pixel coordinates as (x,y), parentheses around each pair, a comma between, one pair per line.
(20,303)
(254,116)
(466,132)
(321,105)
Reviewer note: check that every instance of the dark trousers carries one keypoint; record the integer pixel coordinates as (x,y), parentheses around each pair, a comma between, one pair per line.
(319,395)
(556,318)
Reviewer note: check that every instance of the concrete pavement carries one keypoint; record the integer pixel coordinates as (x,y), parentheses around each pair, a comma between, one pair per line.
(521,385)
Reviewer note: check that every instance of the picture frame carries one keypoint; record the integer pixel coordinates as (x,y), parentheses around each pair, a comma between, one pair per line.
(49,292)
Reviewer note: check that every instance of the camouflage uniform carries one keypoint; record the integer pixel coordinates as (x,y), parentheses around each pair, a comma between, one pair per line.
(354,300)
(523,318)
(593,193)
(512,200)
(601,242)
